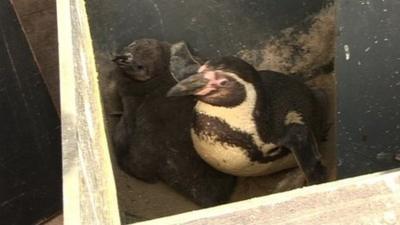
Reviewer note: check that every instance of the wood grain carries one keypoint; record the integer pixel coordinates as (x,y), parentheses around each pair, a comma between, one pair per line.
(39,21)
(30,142)
(89,187)
(371,199)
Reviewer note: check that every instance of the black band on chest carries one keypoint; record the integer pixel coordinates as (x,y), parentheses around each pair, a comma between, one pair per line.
(214,127)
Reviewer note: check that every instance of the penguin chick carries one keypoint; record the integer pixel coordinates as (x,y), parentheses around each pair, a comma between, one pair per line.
(141,68)
(144,59)
(252,123)
(147,139)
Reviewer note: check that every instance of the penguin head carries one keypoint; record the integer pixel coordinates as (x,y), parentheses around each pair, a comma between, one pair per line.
(221,82)
(144,59)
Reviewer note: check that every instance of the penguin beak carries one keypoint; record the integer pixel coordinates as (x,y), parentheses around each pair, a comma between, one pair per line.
(189,86)
(123,60)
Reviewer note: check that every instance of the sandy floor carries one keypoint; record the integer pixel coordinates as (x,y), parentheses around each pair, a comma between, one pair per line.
(59,220)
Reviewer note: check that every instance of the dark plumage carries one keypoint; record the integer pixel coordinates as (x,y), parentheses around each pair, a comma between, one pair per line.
(144,59)
(152,139)
(251,123)
(143,65)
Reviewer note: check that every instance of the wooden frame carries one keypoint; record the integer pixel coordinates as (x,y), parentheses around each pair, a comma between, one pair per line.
(89,187)
(88,181)
(369,199)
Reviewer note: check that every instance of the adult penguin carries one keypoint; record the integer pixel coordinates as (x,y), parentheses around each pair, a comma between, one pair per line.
(252,123)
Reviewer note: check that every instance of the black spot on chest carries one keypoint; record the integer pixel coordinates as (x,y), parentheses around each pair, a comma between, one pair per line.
(207,126)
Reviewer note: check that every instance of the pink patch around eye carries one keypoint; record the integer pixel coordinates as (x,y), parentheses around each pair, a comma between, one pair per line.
(205,90)
(210,75)
(212,85)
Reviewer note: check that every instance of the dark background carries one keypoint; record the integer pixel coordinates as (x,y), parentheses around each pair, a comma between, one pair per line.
(210,27)
(368,86)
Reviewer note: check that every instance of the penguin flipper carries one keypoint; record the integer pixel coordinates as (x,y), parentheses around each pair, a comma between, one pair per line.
(120,138)
(300,140)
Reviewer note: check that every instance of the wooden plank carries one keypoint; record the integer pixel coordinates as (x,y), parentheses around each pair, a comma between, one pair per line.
(30,145)
(89,188)
(370,199)
(39,21)
(27,7)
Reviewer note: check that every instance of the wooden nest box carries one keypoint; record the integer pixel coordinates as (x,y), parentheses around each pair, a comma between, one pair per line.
(88,30)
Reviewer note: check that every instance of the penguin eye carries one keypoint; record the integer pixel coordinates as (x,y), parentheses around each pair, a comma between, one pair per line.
(223,83)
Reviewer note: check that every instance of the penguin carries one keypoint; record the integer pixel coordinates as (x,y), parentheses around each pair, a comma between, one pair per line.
(148,139)
(252,123)
(141,68)
(143,59)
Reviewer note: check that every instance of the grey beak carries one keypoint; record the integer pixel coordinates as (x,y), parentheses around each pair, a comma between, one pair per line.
(188,86)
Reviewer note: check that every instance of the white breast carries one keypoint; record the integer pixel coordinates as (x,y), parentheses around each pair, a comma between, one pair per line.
(233,160)
(240,117)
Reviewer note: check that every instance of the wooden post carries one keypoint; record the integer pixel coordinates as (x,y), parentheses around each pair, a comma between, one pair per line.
(89,187)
